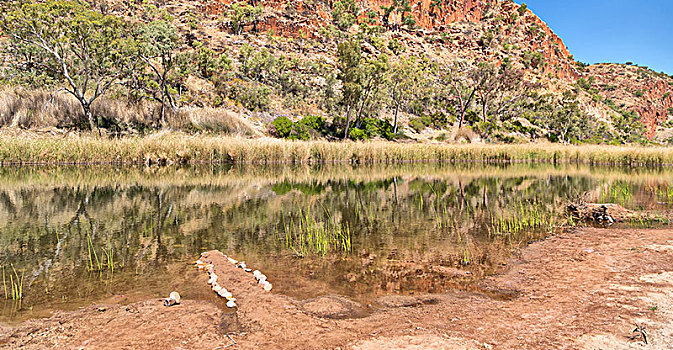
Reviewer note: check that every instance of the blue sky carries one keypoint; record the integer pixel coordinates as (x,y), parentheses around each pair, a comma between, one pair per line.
(640,31)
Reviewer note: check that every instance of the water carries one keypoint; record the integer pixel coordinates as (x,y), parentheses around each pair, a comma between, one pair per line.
(77,235)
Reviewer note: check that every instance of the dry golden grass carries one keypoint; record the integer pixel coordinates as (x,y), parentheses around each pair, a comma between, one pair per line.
(27,108)
(175,147)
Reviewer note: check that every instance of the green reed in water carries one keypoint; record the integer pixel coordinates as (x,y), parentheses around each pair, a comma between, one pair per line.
(663,193)
(619,193)
(16,284)
(96,264)
(311,236)
(528,217)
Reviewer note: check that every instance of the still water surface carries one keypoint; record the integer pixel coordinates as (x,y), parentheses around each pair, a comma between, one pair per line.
(76,235)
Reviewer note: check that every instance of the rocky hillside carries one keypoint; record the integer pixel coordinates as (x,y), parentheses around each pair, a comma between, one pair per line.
(279,58)
(632,88)
(474,30)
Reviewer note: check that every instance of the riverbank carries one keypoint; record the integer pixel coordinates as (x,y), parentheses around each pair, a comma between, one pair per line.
(179,148)
(580,290)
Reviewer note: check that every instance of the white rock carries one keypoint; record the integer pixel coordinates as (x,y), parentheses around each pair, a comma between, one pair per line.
(231,304)
(267,286)
(256,273)
(175,296)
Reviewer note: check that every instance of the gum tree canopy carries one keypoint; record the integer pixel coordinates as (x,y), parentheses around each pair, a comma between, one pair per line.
(81,49)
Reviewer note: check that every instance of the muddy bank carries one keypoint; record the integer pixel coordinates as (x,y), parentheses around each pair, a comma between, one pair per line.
(582,290)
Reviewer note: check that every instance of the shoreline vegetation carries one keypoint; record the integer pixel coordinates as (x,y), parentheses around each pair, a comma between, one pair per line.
(167,148)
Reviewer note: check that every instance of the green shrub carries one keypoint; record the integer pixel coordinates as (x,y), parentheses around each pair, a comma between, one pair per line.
(420,123)
(252,96)
(638,93)
(471,117)
(583,84)
(315,123)
(300,132)
(282,127)
(357,134)
(522,9)
(417,125)
(439,120)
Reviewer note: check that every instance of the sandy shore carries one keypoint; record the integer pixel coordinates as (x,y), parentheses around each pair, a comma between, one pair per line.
(581,290)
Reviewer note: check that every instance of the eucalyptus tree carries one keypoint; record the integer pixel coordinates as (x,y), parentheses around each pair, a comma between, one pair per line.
(500,88)
(158,42)
(405,78)
(80,48)
(560,115)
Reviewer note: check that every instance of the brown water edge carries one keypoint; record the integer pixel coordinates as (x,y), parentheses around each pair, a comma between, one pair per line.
(125,286)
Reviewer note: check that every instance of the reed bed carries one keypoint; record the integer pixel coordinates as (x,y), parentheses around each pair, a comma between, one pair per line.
(526,219)
(308,235)
(174,147)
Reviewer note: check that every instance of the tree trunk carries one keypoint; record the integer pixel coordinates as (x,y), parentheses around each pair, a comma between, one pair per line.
(397,109)
(348,121)
(484,112)
(462,118)
(163,104)
(89,116)
(163,110)
(488,128)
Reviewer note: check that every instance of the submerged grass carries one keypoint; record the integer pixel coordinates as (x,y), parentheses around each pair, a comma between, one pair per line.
(526,218)
(174,147)
(308,235)
(96,264)
(15,284)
